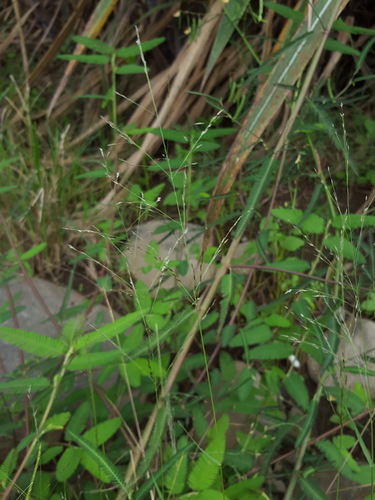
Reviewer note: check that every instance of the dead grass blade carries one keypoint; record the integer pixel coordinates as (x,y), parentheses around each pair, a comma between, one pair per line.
(189,59)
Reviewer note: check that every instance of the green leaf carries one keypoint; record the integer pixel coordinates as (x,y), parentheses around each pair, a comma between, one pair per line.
(336,46)
(93,359)
(207,467)
(135,50)
(295,385)
(290,215)
(33,343)
(84,58)
(78,421)
(100,433)
(369,303)
(130,69)
(67,464)
(168,135)
(105,283)
(8,466)
(277,320)
(150,483)
(108,331)
(104,464)
(6,189)
(273,350)
(50,454)
(233,12)
(93,174)
(94,44)
(339,25)
(341,247)
(284,11)
(353,221)
(311,490)
(24,386)
(291,243)
(291,264)
(33,251)
(57,421)
(175,478)
(250,335)
(313,224)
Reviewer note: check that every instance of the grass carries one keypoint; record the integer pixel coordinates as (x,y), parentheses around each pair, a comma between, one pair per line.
(201,391)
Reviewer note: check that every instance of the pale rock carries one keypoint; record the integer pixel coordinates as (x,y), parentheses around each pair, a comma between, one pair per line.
(33,317)
(153,256)
(357,339)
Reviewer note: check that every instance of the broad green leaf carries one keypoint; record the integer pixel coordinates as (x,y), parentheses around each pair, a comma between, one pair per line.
(313,224)
(102,432)
(134,339)
(341,247)
(57,421)
(79,419)
(130,69)
(291,264)
(336,46)
(353,221)
(105,283)
(251,335)
(207,467)
(135,50)
(84,58)
(141,367)
(93,359)
(94,44)
(142,298)
(33,251)
(108,331)
(369,303)
(33,343)
(68,463)
(290,215)
(23,386)
(50,454)
(295,385)
(109,470)
(273,350)
(277,320)
(291,243)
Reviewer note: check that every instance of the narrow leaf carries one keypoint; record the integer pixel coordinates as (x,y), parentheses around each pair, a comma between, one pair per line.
(108,331)
(33,343)
(102,461)
(135,50)
(94,44)
(84,58)
(24,386)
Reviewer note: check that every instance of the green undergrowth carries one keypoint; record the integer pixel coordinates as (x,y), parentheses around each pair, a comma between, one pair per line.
(205,391)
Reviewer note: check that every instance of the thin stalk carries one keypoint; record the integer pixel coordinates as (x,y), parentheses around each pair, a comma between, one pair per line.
(56,383)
